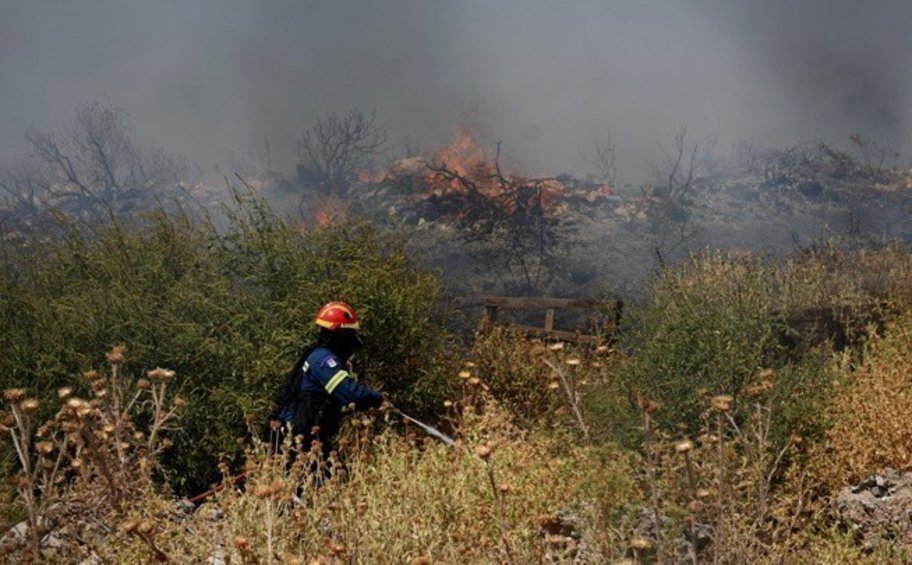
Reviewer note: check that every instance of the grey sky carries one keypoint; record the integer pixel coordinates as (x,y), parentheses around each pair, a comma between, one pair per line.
(205,77)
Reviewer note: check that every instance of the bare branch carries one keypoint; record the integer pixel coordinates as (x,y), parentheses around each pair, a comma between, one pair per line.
(602,159)
(336,148)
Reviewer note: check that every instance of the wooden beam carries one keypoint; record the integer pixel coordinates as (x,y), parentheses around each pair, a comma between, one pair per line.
(518,302)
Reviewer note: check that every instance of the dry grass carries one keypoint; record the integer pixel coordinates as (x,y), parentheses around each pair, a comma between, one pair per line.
(870,413)
(397,499)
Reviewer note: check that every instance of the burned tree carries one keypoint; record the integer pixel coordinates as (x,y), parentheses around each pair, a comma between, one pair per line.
(90,168)
(336,148)
(601,157)
(670,215)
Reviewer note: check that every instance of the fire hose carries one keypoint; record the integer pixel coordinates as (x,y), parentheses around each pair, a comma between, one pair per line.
(428,429)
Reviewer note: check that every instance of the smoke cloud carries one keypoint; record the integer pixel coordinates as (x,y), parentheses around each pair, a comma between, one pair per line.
(210,77)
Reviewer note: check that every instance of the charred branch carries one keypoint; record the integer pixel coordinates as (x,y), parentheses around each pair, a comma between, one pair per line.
(337,147)
(91,168)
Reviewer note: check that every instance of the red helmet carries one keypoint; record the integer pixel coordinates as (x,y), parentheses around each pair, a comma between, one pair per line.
(337,315)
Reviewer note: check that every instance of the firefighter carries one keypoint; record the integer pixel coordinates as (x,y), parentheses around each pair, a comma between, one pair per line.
(320,387)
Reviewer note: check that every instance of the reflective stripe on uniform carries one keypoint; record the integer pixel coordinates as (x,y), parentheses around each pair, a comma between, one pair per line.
(335,380)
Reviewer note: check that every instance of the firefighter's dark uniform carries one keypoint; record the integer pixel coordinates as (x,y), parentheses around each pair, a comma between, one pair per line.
(323,389)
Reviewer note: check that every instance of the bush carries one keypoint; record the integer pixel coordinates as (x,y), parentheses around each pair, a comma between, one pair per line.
(712,326)
(870,413)
(228,310)
(708,327)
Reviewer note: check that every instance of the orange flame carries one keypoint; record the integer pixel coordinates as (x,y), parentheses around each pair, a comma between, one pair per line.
(329,211)
(463,156)
(323,218)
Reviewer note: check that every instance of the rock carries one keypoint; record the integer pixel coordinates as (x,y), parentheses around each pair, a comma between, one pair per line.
(879,506)
(561,534)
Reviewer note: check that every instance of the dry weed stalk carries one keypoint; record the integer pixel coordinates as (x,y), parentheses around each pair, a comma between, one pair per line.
(88,440)
(648,408)
(573,396)
(484,452)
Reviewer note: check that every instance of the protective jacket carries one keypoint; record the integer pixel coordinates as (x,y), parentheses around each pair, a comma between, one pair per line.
(321,389)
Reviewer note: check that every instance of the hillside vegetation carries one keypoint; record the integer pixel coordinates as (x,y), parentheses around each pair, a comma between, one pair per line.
(718,426)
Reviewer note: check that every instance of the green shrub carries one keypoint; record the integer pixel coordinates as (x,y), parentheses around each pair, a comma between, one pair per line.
(711,326)
(706,327)
(228,309)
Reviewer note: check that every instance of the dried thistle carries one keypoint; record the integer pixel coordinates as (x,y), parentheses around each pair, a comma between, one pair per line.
(29,406)
(722,403)
(683,446)
(161,375)
(116,355)
(44,448)
(14,394)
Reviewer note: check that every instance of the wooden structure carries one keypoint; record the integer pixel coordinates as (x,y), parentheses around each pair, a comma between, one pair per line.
(494,304)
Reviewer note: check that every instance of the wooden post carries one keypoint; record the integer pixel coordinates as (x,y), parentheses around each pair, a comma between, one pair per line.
(549,319)
(490,317)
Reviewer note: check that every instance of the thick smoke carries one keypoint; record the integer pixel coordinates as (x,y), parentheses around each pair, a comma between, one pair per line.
(210,77)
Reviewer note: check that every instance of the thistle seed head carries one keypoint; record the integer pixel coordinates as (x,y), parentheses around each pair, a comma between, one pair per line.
(29,405)
(160,375)
(683,446)
(116,355)
(722,403)
(14,394)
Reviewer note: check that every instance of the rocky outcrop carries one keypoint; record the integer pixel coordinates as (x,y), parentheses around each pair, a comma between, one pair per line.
(880,506)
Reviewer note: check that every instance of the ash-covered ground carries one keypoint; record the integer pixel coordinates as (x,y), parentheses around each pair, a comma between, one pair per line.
(488,233)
